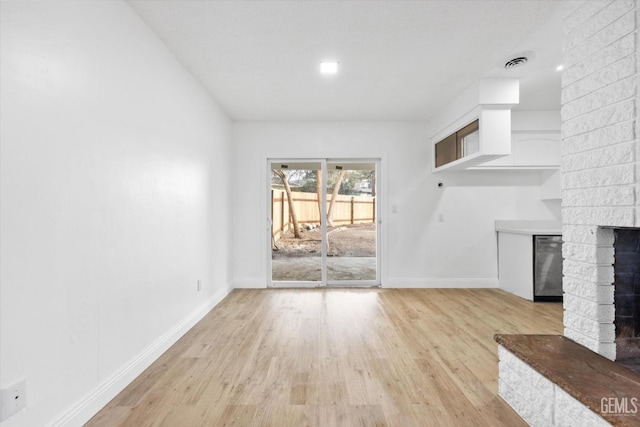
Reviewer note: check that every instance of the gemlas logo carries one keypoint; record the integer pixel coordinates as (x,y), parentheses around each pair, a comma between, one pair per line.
(619,405)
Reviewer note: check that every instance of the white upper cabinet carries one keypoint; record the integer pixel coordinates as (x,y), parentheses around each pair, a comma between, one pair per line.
(529,150)
(479,131)
(485,108)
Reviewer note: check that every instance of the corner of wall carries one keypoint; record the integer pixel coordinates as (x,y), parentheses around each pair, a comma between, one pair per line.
(84,409)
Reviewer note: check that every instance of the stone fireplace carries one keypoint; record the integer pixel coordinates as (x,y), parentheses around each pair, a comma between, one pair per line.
(602,291)
(600,168)
(600,212)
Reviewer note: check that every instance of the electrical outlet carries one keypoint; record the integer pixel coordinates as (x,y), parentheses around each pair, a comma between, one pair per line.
(199,287)
(14,398)
(440,218)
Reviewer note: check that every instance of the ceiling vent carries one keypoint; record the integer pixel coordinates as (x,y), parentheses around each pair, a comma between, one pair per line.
(518,60)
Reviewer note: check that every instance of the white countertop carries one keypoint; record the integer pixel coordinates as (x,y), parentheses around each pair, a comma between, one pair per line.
(529,227)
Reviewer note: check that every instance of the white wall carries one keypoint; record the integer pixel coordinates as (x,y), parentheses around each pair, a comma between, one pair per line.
(417,249)
(114,172)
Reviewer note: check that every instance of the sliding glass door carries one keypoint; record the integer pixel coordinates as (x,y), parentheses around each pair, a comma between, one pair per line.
(296,232)
(351,232)
(323,217)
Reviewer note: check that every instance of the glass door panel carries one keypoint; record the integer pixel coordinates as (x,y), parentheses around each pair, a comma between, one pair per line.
(352,223)
(296,209)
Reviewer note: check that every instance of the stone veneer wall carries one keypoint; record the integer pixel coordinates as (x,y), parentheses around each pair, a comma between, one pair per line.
(600,153)
(536,399)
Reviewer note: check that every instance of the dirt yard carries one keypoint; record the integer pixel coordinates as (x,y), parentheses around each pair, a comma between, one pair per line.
(358,240)
(351,255)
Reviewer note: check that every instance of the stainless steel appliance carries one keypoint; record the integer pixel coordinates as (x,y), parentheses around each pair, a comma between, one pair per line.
(547,268)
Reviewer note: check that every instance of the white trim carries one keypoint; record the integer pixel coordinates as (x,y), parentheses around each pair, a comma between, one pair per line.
(431,282)
(294,284)
(324,239)
(249,283)
(383,259)
(83,410)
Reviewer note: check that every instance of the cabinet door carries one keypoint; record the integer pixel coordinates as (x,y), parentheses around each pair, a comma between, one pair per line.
(515,262)
(447,150)
(469,139)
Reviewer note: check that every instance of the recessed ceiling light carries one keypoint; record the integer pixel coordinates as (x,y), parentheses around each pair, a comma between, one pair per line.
(560,67)
(328,67)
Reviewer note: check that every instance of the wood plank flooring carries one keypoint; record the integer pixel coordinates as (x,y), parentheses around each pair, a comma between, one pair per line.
(336,357)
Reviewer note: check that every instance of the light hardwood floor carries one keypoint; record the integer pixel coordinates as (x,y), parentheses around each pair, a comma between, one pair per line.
(336,357)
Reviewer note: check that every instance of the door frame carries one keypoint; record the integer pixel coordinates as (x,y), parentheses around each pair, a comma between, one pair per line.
(324,282)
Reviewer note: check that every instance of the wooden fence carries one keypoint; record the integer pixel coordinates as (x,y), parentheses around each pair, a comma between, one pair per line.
(346,210)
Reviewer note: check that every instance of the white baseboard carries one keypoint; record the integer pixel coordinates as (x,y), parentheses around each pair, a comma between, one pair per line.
(441,283)
(249,283)
(402,282)
(87,407)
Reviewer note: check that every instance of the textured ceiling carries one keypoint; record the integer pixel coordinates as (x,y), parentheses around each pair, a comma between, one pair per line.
(399,60)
